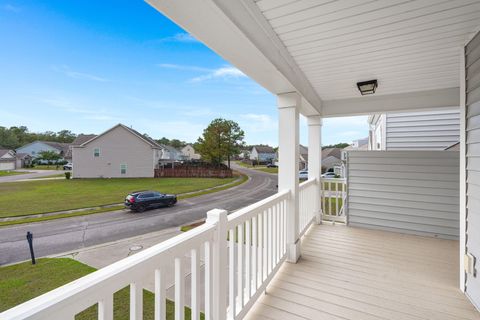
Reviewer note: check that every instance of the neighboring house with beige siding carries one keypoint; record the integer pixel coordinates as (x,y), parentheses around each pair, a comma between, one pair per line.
(120,152)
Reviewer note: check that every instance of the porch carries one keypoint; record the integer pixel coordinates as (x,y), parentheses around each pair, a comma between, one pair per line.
(354,273)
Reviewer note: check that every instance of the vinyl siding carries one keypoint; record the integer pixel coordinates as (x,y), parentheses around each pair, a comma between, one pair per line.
(414,192)
(472,72)
(117,147)
(432,130)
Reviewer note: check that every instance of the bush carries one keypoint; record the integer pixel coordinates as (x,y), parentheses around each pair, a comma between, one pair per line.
(68,175)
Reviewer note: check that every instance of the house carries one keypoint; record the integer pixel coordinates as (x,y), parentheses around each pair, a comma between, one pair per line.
(35,148)
(170,154)
(7,160)
(331,157)
(23,160)
(428,130)
(262,154)
(119,152)
(189,153)
(79,140)
(303,157)
(406,244)
(360,144)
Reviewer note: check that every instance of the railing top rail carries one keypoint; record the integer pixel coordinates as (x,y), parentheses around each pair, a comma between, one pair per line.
(307,183)
(247,212)
(86,291)
(334,180)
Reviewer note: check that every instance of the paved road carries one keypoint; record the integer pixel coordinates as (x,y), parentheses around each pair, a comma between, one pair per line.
(57,236)
(33,174)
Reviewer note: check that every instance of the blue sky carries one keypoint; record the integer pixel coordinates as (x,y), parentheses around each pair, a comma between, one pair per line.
(88,65)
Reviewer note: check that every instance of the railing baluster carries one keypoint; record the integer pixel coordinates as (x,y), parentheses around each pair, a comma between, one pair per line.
(195,284)
(254,255)
(179,290)
(240,285)
(160,298)
(260,250)
(269,239)
(231,281)
(265,245)
(274,235)
(136,301)
(208,280)
(105,308)
(248,263)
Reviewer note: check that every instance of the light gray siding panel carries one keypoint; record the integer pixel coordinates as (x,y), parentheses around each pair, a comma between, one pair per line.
(415,192)
(472,73)
(435,130)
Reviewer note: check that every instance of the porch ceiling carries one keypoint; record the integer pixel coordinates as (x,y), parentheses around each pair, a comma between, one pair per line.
(322,48)
(406,45)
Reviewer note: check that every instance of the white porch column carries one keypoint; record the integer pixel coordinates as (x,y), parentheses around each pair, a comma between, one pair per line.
(288,153)
(315,160)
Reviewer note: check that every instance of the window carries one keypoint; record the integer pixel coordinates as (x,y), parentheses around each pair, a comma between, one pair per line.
(96,152)
(123,169)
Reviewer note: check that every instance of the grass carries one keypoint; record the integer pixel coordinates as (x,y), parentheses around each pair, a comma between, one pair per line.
(330,207)
(21,198)
(48,167)
(242,179)
(56,175)
(268,170)
(10,173)
(23,281)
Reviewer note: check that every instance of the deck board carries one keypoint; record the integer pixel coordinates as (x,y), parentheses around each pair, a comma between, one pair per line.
(352,273)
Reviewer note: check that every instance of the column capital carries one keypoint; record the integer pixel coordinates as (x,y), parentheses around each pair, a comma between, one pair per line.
(314,121)
(289,100)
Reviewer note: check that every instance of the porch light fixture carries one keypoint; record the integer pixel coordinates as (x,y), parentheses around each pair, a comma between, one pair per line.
(367,87)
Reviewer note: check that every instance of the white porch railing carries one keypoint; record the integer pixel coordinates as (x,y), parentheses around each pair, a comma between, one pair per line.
(307,212)
(241,254)
(334,196)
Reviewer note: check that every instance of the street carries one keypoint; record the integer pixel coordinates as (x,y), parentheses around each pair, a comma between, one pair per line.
(61,235)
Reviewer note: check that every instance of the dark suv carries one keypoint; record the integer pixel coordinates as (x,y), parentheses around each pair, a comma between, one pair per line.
(142,200)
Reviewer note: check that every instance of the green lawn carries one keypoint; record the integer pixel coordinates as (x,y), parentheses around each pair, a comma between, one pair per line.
(26,198)
(23,281)
(10,173)
(330,207)
(48,167)
(268,170)
(56,175)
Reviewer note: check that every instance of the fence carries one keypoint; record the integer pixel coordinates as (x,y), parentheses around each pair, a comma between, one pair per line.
(241,254)
(333,200)
(182,171)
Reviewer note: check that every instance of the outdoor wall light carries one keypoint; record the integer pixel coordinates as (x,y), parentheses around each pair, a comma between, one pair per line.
(367,87)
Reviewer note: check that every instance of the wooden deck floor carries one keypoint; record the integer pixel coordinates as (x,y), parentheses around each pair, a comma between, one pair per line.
(351,273)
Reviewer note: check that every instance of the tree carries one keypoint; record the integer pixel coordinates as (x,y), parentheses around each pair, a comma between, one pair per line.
(65,136)
(49,156)
(341,145)
(221,140)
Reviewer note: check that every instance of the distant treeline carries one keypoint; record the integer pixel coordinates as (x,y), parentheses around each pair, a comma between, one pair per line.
(15,137)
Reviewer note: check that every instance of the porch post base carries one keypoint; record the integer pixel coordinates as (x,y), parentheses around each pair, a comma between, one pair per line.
(293,253)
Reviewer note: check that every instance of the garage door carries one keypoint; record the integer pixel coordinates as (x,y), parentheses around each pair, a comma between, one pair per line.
(7,165)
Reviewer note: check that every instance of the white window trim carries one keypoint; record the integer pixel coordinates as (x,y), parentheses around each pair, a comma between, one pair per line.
(126,168)
(94,152)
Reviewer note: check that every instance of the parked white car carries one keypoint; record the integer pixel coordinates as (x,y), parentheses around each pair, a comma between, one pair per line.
(303,175)
(329,175)
(68,166)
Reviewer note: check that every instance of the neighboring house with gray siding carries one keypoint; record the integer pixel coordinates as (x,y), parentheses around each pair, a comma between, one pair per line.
(34,149)
(120,152)
(430,130)
(262,154)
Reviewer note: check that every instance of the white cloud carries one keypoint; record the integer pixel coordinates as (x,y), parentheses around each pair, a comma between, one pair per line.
(256,123)
(183,68)
(78,75)
(179,37)
(227,72)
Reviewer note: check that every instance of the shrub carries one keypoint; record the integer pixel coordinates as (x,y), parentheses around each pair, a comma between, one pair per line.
(68,175)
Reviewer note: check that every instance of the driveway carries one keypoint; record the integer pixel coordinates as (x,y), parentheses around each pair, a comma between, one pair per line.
(30,175)
(62,235)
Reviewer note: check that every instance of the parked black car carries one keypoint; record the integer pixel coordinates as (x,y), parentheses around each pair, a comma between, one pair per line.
(142,200)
